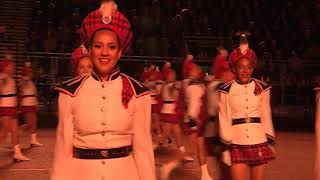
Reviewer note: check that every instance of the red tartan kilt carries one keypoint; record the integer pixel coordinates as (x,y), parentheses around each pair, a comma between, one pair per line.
(156,108)
(8,111)
(251,154)
(28,109)
(169,118)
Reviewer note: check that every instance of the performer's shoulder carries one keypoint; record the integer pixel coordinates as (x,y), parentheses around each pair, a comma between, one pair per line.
(72,85)
(225,87)
(264,85)
(138,88)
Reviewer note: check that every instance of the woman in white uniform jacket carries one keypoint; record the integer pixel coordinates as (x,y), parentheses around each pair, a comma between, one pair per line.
(104,117)
(245,118)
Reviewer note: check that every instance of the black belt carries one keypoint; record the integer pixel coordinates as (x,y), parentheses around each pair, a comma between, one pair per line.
(101,153)
(7,95)
(212,118)
(246,120)
(31,95)
(169,102)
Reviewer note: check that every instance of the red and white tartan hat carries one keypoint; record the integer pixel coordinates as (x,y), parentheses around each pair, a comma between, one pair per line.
(110,18)
(243,51)
(237,54)
(79,53)
(166,69)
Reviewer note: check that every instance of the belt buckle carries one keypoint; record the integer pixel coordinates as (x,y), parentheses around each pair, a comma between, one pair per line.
(104,153)
(247,119)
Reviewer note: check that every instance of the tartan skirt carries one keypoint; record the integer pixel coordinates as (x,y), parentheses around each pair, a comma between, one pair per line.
(251,154)
(8,111)
(169,118)
(28,109)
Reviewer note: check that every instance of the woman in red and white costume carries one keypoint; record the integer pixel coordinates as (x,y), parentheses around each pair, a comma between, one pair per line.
(104,116)
(245,117)
(196,113)
(155,83)
(220,74)
(8,106)
(80,61)
(170,120)
(29,103)
(192,104)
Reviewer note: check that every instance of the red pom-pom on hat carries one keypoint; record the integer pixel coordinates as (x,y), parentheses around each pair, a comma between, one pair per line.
(166,69)
(220,66)
(110,18)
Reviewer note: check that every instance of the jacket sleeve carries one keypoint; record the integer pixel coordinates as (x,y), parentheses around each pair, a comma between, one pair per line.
(194,94)
(63,152)
(142,144)
(266,117)
(225,120)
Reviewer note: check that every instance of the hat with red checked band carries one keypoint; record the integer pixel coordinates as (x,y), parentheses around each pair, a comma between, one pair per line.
(107,17)
(243,51)
(77,54)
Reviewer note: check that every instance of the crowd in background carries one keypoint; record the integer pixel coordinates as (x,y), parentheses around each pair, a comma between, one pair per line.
(277,27)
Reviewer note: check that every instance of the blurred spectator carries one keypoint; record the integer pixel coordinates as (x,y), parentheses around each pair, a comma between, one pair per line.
(295,70)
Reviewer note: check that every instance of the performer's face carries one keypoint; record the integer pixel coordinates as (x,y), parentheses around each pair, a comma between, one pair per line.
(243,70)
(84,66)
(105,51)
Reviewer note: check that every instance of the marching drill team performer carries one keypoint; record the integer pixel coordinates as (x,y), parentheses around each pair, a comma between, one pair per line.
(104,116)
(245,117)
(80,61)
(196,113)
(220,74)
(155,82)
(170,120)
(29,103)
(8,106)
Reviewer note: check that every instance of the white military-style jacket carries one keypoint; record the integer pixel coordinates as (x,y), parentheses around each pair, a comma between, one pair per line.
(92,115)
(169,95)
(213,97)
(28,92)
(155,87)
(8,91)
(241,101)
(194,92)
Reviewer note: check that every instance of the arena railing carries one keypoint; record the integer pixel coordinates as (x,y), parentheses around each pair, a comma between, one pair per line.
(55,67)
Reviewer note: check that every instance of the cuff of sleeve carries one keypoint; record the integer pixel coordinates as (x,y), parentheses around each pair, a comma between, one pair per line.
(270,140)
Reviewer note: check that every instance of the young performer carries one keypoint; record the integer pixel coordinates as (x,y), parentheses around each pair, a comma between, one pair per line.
(220,74)
(8,106)
(155,82)
(245,117)
(29,103)
(80,61)
(104,116)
